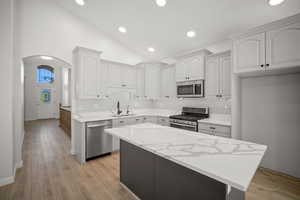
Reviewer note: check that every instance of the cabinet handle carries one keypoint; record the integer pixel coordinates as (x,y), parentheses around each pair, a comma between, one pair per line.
(262,65)
(213,128)
(267,65)
(121,121)
(137,119)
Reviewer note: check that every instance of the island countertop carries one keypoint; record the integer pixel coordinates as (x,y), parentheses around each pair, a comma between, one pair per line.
(229,161)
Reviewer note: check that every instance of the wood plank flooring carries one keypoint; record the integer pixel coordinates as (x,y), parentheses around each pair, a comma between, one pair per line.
(49,172)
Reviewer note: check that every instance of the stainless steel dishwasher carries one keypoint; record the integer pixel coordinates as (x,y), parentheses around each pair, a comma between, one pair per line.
(97,141)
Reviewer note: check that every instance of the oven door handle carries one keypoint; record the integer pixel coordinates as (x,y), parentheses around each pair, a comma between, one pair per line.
(186,125)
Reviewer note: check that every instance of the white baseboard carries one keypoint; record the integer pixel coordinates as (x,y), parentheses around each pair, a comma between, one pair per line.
(11,179)
(6,180)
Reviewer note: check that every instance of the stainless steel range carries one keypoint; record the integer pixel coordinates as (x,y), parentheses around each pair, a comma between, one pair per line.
(189,117)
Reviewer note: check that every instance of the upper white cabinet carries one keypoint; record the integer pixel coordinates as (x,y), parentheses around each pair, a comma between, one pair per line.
(249,53)
(120,75)
(191,67)
(218,75)
(168,82)
(283,47)
(152,80)
(89,80)
(269,48)
(140,81)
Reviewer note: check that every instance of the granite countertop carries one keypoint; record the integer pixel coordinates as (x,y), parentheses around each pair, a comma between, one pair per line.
(217,119)
(105,115)
(229,161)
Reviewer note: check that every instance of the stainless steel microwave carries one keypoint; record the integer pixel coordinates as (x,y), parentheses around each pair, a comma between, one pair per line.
(190,89)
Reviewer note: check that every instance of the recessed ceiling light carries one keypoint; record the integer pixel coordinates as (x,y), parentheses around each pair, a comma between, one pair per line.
(122,29)
(151,49)
(191,34)
(161,3)
(46,58)
(275,2)
(80,2)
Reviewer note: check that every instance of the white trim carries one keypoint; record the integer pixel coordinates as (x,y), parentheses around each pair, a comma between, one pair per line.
(7,180)
(19,164)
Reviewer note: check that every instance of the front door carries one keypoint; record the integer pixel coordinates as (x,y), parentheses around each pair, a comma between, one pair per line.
(47,105)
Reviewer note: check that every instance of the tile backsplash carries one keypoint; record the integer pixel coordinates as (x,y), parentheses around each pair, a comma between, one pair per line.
(216,105)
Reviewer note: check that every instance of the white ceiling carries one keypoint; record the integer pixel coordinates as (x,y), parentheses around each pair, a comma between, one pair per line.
(165,28)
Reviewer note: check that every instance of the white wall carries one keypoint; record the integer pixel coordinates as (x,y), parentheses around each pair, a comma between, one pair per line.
(49,29)
(270,108)
(43,28)
(31,88)
(6,88)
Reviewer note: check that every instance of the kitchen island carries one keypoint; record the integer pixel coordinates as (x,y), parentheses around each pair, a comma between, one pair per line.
(158,162)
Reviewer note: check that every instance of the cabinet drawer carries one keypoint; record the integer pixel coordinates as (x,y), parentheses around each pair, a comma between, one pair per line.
(137,120)
(215,128)
(163,121)
(150,119)
(121,122)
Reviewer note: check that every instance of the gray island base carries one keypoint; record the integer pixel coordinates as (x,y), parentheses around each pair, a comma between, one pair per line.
(151,177)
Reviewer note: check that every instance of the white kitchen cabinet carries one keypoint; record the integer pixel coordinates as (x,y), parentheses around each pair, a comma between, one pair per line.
(212,76)
(152,80)
(181,74)
(218,75)
(225,74)
(191,67)
(272,48)
(168,82)
(120,75)
(121,94)
(89,80)
(249,53)
(164,121)
(283,47)
(140,82)
(150,119)
(212,129)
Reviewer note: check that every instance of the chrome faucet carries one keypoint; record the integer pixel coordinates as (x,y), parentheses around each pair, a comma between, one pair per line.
(127,111)
(118,108)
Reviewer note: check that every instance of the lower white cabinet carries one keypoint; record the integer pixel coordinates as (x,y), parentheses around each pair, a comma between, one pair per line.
(150,119)
(217,130)
(164,121)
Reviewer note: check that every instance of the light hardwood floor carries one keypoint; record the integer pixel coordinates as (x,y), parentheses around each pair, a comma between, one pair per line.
(49,172)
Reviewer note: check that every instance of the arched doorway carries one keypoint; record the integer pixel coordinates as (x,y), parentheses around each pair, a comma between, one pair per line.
(46,86)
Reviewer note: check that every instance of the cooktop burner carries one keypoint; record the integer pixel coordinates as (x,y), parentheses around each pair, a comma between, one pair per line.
(192,114)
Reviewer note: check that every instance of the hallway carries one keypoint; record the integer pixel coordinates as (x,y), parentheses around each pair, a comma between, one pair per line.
(49,172)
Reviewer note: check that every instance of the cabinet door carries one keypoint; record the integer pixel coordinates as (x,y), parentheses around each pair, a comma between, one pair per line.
(168,82)
(89,66)
(249,54)
(140,82)
(128,75)
(152,81)
(212,77)
(114,76)
(225,75)
(195,68)
(283,47)
(181,71)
